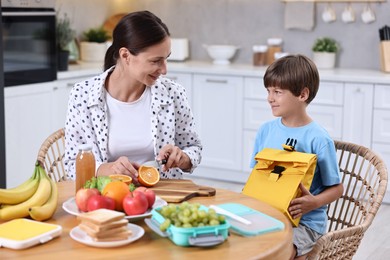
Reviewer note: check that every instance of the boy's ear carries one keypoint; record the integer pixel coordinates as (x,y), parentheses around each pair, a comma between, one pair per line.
(304,94)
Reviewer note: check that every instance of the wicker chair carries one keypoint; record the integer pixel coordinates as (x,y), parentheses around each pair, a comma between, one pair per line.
(364,176)
(51,155)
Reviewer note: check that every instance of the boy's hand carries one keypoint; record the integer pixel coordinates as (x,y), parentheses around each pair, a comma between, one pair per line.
(303,204)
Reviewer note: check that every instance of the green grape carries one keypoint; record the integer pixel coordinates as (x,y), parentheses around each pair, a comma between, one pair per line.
(189,215)
(187,225)
(214,222)
(186,212)
(202,214)
(165,225)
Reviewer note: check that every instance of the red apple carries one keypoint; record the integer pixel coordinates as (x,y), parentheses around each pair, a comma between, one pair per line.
(135,203)
(100,202)
(150,195)
(82,197)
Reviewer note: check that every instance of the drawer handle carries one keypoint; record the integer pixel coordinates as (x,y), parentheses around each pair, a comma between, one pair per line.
(219,81)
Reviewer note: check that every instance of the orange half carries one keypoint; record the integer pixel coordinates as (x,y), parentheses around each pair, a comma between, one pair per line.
(121,177)
(148,175)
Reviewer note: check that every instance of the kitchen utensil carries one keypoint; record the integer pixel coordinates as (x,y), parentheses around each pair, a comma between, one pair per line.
(175,190)
(368,15)
(230,214)
(205,236)
(221,54)
(260,222)
(329,14)
(23,233)
(179,49)
(348,15)
(111,22)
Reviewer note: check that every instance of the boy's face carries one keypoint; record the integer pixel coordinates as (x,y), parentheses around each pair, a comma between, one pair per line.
(284,103)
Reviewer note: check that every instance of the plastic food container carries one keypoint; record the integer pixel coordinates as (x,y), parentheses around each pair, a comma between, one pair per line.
(199,236)
(23,233)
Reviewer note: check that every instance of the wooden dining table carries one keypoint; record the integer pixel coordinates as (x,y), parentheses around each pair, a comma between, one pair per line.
(274,245)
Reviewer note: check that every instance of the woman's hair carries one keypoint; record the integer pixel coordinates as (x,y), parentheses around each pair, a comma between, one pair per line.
(293,72)
(136,31)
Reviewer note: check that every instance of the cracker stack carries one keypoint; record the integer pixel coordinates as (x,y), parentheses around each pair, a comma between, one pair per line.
(104,225)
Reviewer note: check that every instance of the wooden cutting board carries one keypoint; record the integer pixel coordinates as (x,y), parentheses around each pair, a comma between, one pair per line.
(176,191)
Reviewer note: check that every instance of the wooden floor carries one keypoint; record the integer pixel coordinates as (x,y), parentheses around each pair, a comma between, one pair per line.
(376,241)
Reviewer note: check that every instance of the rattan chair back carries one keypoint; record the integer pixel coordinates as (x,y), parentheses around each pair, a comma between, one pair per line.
(364,176)
(51,155)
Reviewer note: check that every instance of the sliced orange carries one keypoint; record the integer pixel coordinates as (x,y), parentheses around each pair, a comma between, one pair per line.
(121,177)
(148,175)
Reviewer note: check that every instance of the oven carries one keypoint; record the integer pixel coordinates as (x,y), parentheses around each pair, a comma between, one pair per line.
(29,41)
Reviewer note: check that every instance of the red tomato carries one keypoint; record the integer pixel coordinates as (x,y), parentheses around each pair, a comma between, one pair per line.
(100,202)
(150,195)
(82,197)
(135,203)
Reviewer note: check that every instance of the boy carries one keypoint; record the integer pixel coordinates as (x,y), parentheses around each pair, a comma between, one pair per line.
(292,83)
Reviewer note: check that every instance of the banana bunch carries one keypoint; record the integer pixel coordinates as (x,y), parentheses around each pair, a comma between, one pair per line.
(37,198)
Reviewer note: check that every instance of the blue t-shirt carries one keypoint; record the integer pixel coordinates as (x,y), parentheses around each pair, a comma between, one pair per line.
(311,138)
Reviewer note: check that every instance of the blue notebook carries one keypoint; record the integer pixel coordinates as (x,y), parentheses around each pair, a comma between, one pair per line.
(260,222)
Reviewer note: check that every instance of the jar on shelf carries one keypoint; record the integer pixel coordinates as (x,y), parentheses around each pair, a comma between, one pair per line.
(274,46)
(85,165)
(259,55)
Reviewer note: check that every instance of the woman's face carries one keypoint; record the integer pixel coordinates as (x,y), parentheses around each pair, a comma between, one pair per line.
(148,65)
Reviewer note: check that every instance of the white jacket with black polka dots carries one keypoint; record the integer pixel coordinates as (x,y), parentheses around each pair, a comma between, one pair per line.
(172,122)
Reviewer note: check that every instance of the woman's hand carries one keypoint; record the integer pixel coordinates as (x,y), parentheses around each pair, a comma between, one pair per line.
(175,158)
(121,166)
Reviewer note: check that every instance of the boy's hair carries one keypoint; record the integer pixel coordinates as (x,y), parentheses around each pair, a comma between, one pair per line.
(294,73)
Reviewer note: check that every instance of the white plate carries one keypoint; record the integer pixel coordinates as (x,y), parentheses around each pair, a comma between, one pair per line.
(70,206)
(82,237)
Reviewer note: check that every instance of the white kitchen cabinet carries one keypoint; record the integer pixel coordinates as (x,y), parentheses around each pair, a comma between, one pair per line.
(381,126)
(28,122)
(358,108)
(218,111)
(248,145)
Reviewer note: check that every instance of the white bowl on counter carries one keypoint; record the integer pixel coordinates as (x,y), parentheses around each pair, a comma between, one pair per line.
(221,54)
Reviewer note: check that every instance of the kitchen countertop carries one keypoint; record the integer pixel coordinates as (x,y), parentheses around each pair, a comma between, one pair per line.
(338,74)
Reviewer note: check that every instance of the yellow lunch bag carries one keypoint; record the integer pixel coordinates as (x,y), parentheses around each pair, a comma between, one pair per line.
(276,176)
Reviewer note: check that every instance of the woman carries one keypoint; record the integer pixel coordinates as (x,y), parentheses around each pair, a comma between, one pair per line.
(129,113)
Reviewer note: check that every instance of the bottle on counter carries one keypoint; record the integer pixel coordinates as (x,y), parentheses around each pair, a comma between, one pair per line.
(274,46)
(259,55)
(85,165)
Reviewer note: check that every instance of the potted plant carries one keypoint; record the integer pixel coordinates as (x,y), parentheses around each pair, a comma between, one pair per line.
(64,35)
(324,52)
(94,46)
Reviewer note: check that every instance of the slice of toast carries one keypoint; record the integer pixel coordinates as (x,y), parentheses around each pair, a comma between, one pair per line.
(101,216)
(116,237)
(103,234)
(110,225)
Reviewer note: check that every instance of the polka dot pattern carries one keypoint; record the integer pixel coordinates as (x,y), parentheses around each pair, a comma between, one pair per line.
(171,117)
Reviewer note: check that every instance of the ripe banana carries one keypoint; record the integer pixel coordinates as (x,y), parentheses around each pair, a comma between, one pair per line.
(37,199)
(20,193)
(48,209)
